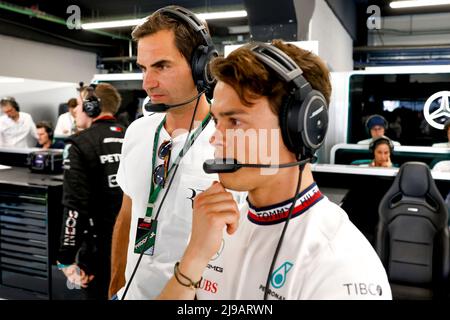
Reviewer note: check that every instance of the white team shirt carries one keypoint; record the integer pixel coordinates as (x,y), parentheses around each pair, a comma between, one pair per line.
(175,219)
(65,123)
(323,256)
(18,134)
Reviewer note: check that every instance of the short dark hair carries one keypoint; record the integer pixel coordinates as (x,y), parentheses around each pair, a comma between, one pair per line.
(11,101)
(186,39)
(47,126)
(72,103)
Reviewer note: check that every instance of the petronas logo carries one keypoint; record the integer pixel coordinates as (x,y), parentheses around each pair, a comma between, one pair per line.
(279,276)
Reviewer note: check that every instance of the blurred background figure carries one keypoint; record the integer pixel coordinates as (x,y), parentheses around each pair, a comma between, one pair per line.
(45,136)
(66,126)
(447,133)
(376,126)
(17,129)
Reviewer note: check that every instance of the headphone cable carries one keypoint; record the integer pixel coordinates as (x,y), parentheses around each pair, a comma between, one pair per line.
(280,242)
(162,200)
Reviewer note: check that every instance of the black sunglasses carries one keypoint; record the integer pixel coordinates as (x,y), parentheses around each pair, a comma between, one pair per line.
(161,171)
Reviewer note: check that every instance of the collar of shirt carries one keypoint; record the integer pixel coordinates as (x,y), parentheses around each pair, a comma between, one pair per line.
(278,213)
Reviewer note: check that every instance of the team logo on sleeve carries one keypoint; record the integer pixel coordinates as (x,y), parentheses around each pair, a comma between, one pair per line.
(278,278)
(116,129)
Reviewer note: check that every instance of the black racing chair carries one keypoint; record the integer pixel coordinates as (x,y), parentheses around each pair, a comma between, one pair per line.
(413,236)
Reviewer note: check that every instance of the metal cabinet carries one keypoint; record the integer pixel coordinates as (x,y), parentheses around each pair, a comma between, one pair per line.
(30,219)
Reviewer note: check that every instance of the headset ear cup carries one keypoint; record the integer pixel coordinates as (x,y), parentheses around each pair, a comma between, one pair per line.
(201,74)
(92,107)
(315,119)
(284,124)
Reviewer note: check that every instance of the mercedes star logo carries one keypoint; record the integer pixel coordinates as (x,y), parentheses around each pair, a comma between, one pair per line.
(442,111)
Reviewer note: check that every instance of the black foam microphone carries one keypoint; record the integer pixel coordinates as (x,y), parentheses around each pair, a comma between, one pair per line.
(232,165)
(161,107)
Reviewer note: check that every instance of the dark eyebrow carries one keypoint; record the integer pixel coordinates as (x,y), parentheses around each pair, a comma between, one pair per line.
(140,66)
(231,113)
(160,63)
(228,113)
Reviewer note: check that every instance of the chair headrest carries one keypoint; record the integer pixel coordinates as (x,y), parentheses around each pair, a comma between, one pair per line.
(414,179)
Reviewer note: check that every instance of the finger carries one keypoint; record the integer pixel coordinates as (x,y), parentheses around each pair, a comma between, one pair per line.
(222,206)
(217,197)
(214,188)
(230,219)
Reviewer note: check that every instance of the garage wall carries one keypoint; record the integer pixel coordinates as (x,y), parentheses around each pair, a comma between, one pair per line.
(34,60)
(335,44)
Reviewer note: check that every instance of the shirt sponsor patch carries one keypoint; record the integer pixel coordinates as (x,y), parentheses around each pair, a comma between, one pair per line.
(110,158)
(112,181)
(113,140)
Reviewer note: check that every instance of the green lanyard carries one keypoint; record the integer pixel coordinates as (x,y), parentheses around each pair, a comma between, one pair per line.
(154,191)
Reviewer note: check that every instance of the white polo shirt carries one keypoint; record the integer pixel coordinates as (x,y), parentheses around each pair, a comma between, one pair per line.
(18,134)
(175,218)
(65,125)
(323,256)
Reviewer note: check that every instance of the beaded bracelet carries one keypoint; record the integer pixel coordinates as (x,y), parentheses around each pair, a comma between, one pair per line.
(191,284)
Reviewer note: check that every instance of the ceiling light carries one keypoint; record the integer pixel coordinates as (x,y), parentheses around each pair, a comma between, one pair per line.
(111,24)
(11,80)
(222,15)
(417,3)
(134,22)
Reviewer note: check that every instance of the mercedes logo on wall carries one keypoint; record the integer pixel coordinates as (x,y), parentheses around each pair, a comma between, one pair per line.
(432,115)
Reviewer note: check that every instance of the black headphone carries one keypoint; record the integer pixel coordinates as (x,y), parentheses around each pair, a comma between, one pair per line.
(91,104)
(385,123)
(377,141)
(11,101)
(304,112)
(202,55)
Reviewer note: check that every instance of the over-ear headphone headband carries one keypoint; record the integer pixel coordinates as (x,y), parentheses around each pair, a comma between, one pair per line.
(280,63)
(190,18)
(304,113)
(372,117)
(379,140)
(202,54)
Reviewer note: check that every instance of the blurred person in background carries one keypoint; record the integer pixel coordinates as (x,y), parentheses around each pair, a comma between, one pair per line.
(66,126)
(17,129)
(45,136)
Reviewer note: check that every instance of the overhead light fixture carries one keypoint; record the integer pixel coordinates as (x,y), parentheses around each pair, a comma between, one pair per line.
(417,3)
(222,15)
(111,24)
(134,22)
(11,80)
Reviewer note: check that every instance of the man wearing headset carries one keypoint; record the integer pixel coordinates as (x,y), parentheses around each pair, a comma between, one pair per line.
(17,128)
(252,253)
(376,125)
(45,136)
(91,195)
(161,168)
